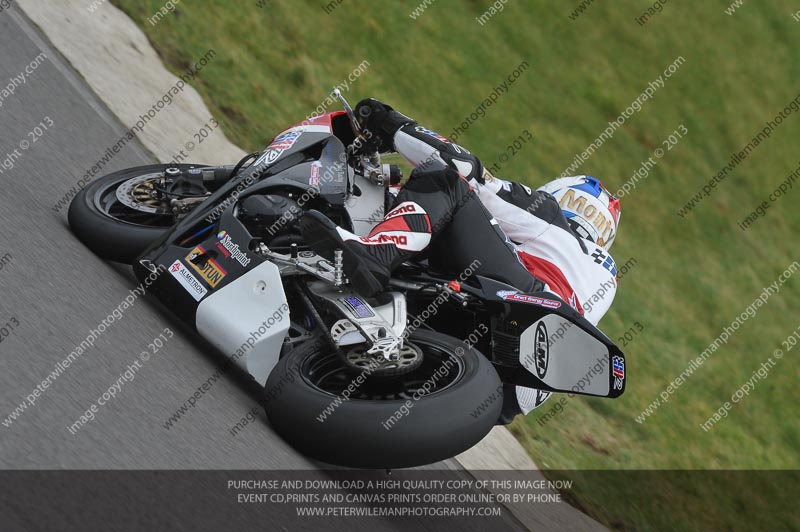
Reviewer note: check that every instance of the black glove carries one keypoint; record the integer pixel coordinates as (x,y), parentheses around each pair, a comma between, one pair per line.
(379,123)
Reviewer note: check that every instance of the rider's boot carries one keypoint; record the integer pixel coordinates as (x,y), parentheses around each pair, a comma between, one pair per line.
(368,261)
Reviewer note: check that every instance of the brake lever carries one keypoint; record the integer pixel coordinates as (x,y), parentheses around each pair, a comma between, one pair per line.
(350,114)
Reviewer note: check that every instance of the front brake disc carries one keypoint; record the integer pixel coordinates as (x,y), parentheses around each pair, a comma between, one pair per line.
(139,194)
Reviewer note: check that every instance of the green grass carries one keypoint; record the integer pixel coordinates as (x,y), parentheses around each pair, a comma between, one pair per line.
(694,275)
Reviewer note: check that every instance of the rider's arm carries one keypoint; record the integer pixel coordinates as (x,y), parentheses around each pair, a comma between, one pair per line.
(423,147)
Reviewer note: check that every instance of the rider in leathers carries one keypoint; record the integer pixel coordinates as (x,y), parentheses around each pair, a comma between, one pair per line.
(521,237)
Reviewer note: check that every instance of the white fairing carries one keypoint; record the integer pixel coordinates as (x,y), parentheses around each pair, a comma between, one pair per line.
(530,398)
(565,356)
(247,320)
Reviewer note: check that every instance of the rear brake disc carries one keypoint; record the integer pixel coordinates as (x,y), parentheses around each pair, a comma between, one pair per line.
(409,358)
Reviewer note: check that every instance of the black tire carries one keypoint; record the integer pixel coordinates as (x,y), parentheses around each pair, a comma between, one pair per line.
(107,236)
(439,425)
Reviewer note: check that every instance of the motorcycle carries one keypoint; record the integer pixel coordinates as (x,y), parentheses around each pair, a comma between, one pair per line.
(411,376)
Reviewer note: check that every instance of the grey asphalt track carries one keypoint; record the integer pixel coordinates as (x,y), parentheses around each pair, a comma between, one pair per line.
(53,291)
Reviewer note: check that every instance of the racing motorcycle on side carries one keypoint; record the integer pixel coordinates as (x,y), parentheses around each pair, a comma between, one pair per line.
(413,375)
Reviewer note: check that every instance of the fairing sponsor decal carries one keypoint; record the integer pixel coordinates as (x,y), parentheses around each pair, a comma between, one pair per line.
(209,269)
(541,350)
(541,397)
(187,280)
(285,140)
(282,142)
(509,295)
(618,368)
(313,179)
(357,307)
(230,249)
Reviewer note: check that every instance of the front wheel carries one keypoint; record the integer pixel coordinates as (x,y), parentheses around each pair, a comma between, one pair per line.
(331,413)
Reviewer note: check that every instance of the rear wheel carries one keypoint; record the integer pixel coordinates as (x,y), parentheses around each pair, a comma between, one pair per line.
(334,414)
(117,216)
